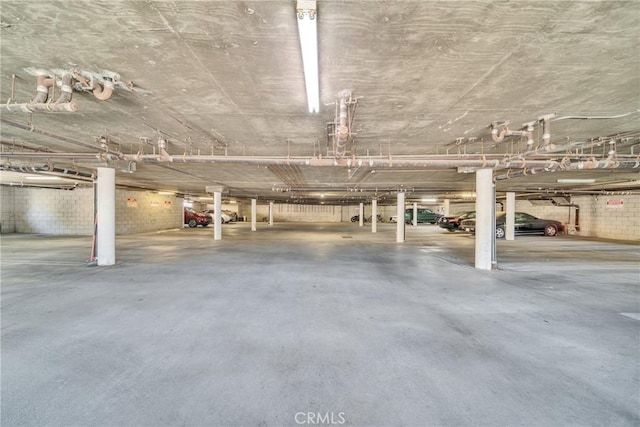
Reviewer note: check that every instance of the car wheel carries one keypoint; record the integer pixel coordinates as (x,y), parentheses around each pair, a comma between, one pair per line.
(205,225)
(192,223)
(451,230)
(500,233)
(550,230)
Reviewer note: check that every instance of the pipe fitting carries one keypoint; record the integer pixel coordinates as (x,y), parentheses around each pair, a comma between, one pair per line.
(103,93)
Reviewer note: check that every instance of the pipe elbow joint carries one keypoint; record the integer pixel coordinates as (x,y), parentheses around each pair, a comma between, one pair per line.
(103,93)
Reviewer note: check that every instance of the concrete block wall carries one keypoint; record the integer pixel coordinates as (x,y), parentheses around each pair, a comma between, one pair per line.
(610,217)
(545,211)
(309,213)
(386,211)
(48,211)
(64,212)
(7,214)
(143,211)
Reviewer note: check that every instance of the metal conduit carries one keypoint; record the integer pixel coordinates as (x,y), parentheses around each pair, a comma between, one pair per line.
(115,154)
(46,168)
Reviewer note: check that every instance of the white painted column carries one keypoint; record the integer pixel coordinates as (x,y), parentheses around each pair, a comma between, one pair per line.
(217,215)
(485,219)
(415,215)
(254,213)
(400,216)
(361,220)
(270,214)
(106,211)
(510,220)
(374,216)
(447,212)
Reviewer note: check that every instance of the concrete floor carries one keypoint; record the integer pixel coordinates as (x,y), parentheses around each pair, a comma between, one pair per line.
(319,318)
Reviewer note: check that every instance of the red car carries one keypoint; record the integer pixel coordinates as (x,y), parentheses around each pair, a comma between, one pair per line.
(194,219)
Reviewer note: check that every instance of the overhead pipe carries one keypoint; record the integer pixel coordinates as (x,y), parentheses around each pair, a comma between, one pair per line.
(39,102)
(66,89)
(499,137)
(435,161)
(30,107)
(43,83)
(46,168)
(114,155)
(342,131)
(69,187)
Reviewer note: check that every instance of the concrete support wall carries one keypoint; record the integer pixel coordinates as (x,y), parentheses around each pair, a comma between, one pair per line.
(60,212)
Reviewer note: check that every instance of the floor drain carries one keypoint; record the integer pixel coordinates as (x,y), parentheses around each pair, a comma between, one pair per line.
(347,237)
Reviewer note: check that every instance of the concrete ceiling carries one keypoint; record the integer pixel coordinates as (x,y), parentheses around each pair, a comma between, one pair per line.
(222,82)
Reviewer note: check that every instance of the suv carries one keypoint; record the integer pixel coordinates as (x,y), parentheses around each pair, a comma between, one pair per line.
(194,219)
(424,215)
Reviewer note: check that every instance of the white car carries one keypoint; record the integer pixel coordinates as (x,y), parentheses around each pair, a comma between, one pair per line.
(394,218)
(223,216)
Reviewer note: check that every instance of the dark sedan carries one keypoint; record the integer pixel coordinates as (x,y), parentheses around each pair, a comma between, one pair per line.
(523,224)
(452,223)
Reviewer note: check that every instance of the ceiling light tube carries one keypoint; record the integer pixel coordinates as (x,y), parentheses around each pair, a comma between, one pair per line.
(576,181)
(41,177)
(307,30)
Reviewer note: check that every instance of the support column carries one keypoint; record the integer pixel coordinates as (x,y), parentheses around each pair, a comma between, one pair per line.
(415,215)
(217,215)
(374,216)
(106,216)
(361,220)
(485,219)
(400,216)
(270,214)
(510,220)
(447,212)
(254,210)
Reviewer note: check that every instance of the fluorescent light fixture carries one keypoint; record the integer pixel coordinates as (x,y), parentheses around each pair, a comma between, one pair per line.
(41,177)
(307,29)
(205,198)
(576,181)
(166,193)
(429,200)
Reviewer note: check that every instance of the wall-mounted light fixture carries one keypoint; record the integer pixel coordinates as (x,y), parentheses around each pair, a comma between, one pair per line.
(307,15)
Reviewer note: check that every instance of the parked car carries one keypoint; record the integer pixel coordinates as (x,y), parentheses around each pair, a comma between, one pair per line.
(452,223)
(223,215)
(356,218)
(194,219)
(524,223)
(233,215)
(424,215)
